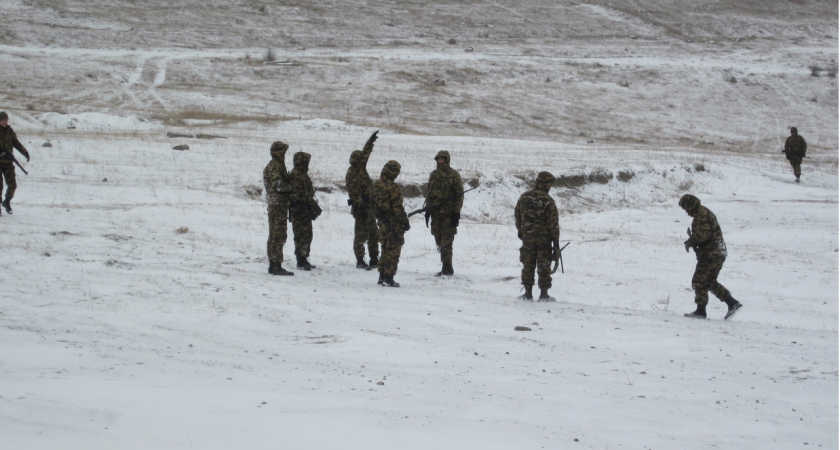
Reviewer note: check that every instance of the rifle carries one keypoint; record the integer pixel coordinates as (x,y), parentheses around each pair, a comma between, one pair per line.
(688,230)
(557,254)
(10,156)
(428,209)
(390,228)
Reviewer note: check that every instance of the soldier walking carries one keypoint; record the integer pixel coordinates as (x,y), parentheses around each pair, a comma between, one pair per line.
(445,198)
(794,151)
(304,208)
(8,142)
(537,225)
(361,206)
(392,221)
(278,190)
(707,241)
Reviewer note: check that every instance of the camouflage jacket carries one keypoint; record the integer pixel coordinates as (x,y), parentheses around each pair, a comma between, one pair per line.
(9,141)
(706,235)
(445,182)
(795,147)
(388,201)
(358,180)
(277,183)
(303,193)
(536,213)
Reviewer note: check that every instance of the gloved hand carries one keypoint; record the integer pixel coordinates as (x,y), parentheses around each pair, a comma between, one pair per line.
(687,245)
(406,226)
(373,137)
(456,219)
(27,157)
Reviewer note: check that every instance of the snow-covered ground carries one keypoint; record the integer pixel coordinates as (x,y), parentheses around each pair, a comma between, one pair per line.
(136,310)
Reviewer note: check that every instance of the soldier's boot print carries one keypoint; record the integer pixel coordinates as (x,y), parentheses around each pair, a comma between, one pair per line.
(360,263)
(544,297)
(700,313)
(734,307)
(442,270)
(389,281)
(529,293)
(302,264)
(374,261)
(7,205)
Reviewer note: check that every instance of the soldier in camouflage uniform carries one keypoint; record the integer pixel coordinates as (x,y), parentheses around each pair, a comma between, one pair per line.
(278,189)
(361,206)
(707,241)
(8,142)
(794,151)
(445,198)
(392,221)
(304,208)
(537,225)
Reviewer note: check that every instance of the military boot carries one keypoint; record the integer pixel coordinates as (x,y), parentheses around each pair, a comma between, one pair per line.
(734,307)
(360,263)
(544,297)
(797,178)
(374,261)
(700,313)
(271,266)
(279,270)
(389,281)
(7,205)
(528,295)
(442,270)
(381,278)
(449,270)
(302,264)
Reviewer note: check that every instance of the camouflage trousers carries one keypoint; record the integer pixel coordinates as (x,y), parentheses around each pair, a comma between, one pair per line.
(535,254)
(796,163)
(302,228)
(277,216)
(444,234)
(7,171)
(705,280)
(391,248)
(365,231)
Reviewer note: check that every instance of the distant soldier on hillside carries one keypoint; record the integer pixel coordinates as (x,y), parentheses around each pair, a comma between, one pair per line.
(794,151)
(304,208)
(706,238)
(278,190)
(538,226)
(392,220)
(445,198)
(8,142)
(361,206)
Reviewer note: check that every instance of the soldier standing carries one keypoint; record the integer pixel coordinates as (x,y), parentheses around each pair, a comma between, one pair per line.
(392,220)
(8,142)
(794,151)
(537,225)
(707,241)
(304,208)
(358,189)
(445,198)
(278,189)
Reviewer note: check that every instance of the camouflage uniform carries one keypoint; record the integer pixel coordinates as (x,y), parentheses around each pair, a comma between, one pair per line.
(392,220)
(707,241)
(795,148)
(445,182)
(8,142)
(538,224)
(278,189)
(358,189)
(304,208)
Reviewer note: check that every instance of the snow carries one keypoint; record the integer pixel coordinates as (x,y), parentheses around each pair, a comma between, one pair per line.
(120,331)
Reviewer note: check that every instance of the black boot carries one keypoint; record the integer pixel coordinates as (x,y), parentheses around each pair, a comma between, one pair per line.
(381,278)
(442,270)
(360,263)
(279,270)
(302,264)
(797,178)
(449,270)
(389,281)
(271,266)
(700,313)
(544,297)
(734,307)
(374,261)
(528,295)
(7,205)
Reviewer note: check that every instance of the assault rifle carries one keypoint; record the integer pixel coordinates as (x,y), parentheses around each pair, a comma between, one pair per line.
(11,157)
(428,209)
(688,231)
(557,254)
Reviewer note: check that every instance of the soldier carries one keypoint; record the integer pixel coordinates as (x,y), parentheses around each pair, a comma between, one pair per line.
(707,241)
(794,151)
(358,189)
(8,141)
(392,220)
(445,198)
(304,208)
(537,225)
(278,189)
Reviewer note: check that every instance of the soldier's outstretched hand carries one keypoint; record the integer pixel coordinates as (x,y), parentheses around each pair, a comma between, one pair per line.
(373,137)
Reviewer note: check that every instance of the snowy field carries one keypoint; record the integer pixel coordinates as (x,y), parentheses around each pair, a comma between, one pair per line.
(138,312)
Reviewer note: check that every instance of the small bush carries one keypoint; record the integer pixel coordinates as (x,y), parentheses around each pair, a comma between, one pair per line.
(182,230)
(698,167)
